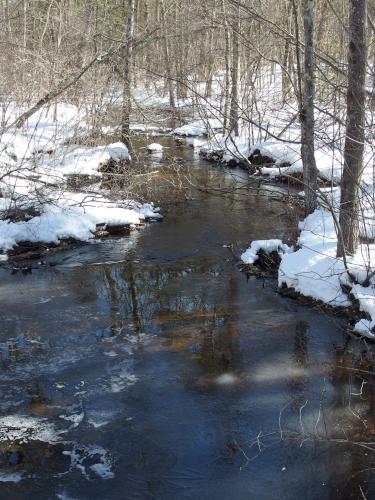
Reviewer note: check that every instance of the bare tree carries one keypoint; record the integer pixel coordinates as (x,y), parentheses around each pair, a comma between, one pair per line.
(355,129)
(127,77)
(168,64)
(307,111)
(234,105)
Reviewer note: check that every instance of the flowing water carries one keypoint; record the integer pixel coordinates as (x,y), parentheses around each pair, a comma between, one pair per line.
(150,367)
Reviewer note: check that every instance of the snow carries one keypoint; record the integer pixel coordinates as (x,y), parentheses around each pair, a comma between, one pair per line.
(251,254)
(47,127)
(155,148)
(74,215)
(78,160)
(366,299)
(25,428)
(153,97)
(285,156)
(198,127)
(194,142)
(316,272)
(81,456)
(35,161)
(102,470)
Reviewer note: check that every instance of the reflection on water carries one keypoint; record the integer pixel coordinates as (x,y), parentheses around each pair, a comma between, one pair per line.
(167,374)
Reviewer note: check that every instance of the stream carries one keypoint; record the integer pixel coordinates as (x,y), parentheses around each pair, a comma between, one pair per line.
(150,367)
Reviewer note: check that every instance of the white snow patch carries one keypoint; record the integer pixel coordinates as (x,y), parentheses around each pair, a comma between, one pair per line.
(195,143)
(198,127)
(316,272)
(268,246)
(74,215)
(81,458)
(155,148)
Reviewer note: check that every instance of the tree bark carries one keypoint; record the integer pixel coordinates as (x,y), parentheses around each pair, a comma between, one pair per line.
(307,111)
(227,70)
(127,76)
(167,59)
(355,132)
(234,104)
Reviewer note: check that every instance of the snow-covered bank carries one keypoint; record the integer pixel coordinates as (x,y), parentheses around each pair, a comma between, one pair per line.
(36,162)
(314,271)
(75,215)
(251,255)
(273,158)
(275,149)
(199,128)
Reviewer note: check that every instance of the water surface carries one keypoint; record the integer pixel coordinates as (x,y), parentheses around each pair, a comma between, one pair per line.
(150,367)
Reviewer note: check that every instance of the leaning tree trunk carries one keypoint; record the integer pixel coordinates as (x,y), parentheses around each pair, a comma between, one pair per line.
(355,132)
(307,112)
(127,76)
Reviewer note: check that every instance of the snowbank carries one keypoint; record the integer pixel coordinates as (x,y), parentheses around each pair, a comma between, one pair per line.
(49,126)
(316,272)
(74,215)
(155,148)
(194,142)
(268,246)
(198,128)
(35,161)
(283,159)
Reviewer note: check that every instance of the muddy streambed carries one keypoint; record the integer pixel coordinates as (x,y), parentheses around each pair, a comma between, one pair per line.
(149,367)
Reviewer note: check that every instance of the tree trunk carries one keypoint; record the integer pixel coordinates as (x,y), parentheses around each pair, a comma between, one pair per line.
(355,133)
(307,111)
(227,70)
(127,77)
(286,55)
(234,105)
(211,55)
(167,60)
(372,98)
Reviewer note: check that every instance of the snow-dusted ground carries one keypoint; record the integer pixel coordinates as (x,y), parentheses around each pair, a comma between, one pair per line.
(35,162)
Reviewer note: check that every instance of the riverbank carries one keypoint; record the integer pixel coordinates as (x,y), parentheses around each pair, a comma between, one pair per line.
(53,187)
(311,270)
